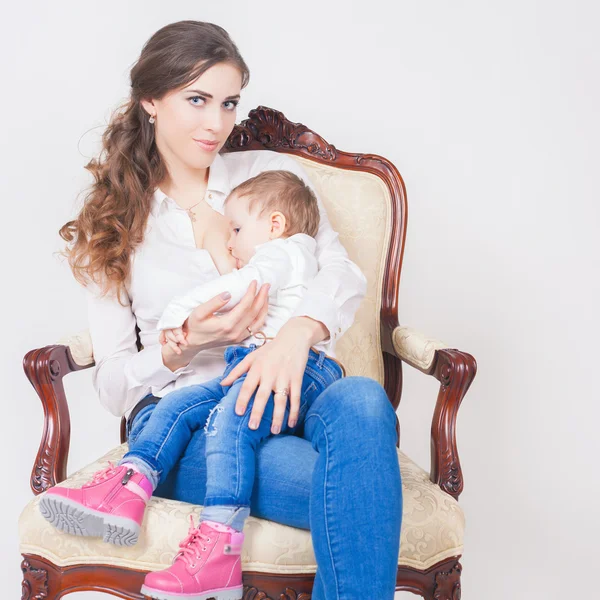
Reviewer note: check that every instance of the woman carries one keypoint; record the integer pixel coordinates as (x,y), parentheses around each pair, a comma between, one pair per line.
(151,227)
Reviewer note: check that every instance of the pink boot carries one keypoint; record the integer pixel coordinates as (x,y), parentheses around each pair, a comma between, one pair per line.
(209,565)
(110,506)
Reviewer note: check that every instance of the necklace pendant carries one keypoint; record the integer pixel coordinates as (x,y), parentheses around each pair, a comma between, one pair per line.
(192,216)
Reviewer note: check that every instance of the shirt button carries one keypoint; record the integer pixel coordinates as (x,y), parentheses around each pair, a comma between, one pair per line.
(210,196)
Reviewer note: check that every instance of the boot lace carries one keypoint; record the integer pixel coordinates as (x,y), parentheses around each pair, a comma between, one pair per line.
(193,545)
(101,475)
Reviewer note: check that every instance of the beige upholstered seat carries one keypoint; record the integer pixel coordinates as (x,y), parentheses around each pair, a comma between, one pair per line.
(432,530)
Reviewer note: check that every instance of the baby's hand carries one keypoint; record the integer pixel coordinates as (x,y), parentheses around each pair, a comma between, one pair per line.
(174,338)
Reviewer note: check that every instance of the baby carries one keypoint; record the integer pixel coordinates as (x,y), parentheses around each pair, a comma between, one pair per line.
(274,218)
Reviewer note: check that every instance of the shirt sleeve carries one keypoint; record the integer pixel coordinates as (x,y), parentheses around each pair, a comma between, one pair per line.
(334,295)
(271,264)
(122,375)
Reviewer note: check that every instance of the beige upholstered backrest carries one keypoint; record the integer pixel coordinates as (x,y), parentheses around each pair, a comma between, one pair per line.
(358,205)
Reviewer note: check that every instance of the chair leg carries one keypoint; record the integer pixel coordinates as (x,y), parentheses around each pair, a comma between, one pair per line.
(38,582)
(440,582)
(446,584)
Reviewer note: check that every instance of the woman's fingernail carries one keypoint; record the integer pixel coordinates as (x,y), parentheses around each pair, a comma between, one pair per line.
(225,295)
(253,425)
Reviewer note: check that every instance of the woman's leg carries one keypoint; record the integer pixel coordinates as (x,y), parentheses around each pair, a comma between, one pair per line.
(356,499)
(341,480)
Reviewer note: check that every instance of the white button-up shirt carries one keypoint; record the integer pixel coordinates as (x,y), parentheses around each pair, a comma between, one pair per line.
(287,264)
(167,264)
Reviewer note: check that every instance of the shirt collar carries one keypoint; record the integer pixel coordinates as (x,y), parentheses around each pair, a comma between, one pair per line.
(218,181)
(218,177)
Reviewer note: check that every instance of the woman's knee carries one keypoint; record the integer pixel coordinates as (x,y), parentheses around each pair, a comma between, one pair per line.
(358,398)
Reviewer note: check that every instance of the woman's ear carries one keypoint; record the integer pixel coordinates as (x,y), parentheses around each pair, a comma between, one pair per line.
(149,107)
(278,223)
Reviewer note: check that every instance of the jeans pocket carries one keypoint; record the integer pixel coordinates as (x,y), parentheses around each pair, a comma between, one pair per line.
(308,396)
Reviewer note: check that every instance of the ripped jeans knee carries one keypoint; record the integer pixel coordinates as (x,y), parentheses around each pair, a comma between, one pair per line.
(210,428)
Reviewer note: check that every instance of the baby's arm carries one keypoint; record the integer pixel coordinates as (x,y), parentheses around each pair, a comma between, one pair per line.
(271,264)
(173,338)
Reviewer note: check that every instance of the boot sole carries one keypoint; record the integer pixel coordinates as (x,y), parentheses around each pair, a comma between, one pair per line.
(71,517)
(217,594)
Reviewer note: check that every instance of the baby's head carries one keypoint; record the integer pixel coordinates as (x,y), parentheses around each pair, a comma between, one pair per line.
(271,205)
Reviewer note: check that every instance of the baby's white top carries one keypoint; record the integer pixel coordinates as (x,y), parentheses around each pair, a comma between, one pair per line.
(288,264)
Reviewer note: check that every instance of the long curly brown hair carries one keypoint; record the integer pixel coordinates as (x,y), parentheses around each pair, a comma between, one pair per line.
(112,222)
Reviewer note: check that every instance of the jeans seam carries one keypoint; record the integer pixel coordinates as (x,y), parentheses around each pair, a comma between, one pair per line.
(334,375)
(315,375)
(337,587)
(237,451)
(333,372)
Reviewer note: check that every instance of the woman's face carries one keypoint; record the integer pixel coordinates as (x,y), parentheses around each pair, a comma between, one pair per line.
(193,122)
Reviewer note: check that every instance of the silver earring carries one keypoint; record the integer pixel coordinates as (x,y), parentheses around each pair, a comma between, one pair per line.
(151,119)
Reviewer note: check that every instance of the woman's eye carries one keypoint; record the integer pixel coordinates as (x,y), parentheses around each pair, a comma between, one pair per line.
(230,104)
(236,229)
(200,98)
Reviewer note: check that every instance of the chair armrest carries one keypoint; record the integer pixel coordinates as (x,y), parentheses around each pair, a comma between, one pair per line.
(80,346)
(415,348)
(455,370)
(45,369)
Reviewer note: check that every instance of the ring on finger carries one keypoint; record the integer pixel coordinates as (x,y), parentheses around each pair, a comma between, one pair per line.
(284,391)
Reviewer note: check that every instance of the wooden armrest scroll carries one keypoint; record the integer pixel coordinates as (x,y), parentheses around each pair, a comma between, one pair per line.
(455,370)
(45,369)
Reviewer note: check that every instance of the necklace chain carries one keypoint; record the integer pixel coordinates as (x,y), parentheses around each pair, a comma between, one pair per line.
(191,213)
(189,210)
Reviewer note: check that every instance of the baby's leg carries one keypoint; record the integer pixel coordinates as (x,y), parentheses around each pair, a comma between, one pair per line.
(230,458)
(164,438)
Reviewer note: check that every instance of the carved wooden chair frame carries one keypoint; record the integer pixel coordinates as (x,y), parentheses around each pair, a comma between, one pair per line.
(266,128)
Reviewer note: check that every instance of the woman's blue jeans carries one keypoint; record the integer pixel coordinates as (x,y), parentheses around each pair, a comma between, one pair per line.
(336,474)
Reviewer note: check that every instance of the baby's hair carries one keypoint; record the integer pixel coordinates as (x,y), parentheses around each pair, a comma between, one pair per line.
(286,192)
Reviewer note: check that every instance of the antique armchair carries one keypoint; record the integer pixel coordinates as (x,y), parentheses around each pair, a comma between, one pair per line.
(366,203)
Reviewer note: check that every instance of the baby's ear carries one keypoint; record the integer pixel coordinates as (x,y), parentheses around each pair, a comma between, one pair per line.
(278,223)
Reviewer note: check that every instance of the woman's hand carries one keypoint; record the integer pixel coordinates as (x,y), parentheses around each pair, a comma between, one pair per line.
(276,365)
(203,329)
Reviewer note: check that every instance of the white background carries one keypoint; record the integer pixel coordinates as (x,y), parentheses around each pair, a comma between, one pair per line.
(490,112)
